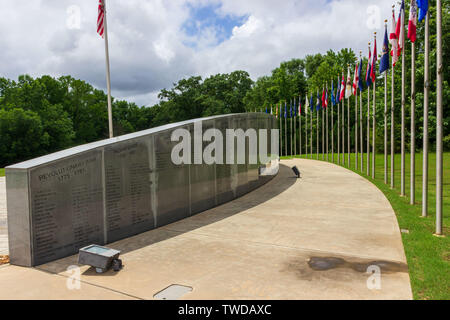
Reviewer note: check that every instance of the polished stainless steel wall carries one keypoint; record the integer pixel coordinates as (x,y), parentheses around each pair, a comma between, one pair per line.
(112,189)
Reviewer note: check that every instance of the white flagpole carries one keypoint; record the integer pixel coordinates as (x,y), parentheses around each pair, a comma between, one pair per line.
(108,76)
(295,129)
(361,120)
(300,126)
(392,128)
(412,198)
(317,133)
(373,111)
(323,133)
(332,125)
(356,122)
(402,27)
(327,123)
(343,124)
(311,135)
(426,95)
(348,128)
(285,128)
(439,131)
(338,127)
(385,123)
(368,125)
(290,118)
(306,129)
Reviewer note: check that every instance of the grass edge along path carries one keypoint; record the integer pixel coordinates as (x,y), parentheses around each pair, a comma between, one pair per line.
(428,256)
(2,172)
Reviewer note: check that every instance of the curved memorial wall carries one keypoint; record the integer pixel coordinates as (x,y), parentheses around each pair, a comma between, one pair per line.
(109,190)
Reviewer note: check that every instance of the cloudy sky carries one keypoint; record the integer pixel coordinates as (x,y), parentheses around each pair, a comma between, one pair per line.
(154,43)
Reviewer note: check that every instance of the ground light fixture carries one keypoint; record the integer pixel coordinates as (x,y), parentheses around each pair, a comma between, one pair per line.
(101,258)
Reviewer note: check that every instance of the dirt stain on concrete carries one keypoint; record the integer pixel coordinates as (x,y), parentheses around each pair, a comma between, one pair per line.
(316,266)
(327,263)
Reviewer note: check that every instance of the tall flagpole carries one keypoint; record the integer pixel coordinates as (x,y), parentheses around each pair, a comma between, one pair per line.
(373,110)
(285,128)
(311,135)
(361,120)
(343,126)
(332,124)
(426,95)
(281,131)
(295,128)
(348,127)
(402,27)
(108,76)
(392,128)
(368,130)
(413,127)
(317,134)
(327,123)
(290,118)
(306,127)
(385,123)
(356,122)
(338,127)
(323,134)
(300,125)
(439,131)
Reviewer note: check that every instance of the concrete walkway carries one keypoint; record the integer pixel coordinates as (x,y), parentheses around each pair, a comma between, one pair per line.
(312,238)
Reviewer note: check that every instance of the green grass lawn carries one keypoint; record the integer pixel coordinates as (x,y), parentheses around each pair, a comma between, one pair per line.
(2,172)
(428,256)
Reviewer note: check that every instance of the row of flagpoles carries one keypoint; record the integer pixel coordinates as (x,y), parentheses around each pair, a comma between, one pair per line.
(346,89)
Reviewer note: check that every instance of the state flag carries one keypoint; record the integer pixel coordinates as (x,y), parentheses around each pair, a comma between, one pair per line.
(348,87)
(384,62)
(412,23)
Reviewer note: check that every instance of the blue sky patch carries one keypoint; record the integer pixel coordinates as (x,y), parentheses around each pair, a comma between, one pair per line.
(206,17)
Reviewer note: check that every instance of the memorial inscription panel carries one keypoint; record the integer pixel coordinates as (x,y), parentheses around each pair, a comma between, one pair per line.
(128,189)
(66,206)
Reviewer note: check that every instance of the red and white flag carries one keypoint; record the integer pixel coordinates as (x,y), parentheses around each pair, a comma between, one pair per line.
(373,70)
(342,95)
(355,80)
(412,32)
(400,30)
(394,41)
(100,18)
(348,87)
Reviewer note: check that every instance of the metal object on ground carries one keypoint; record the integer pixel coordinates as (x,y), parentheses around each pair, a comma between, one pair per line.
(101,258)
(297,173)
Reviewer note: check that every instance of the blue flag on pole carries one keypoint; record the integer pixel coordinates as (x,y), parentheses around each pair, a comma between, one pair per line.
(318,101)
(384,62)
(360,77)
(311,103)
(290,110)
(423,8)
(333,98)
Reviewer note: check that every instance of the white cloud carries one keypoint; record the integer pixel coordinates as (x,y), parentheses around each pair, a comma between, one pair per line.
(149,49)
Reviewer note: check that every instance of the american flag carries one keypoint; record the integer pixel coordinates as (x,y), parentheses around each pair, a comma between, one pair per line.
(100,19)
